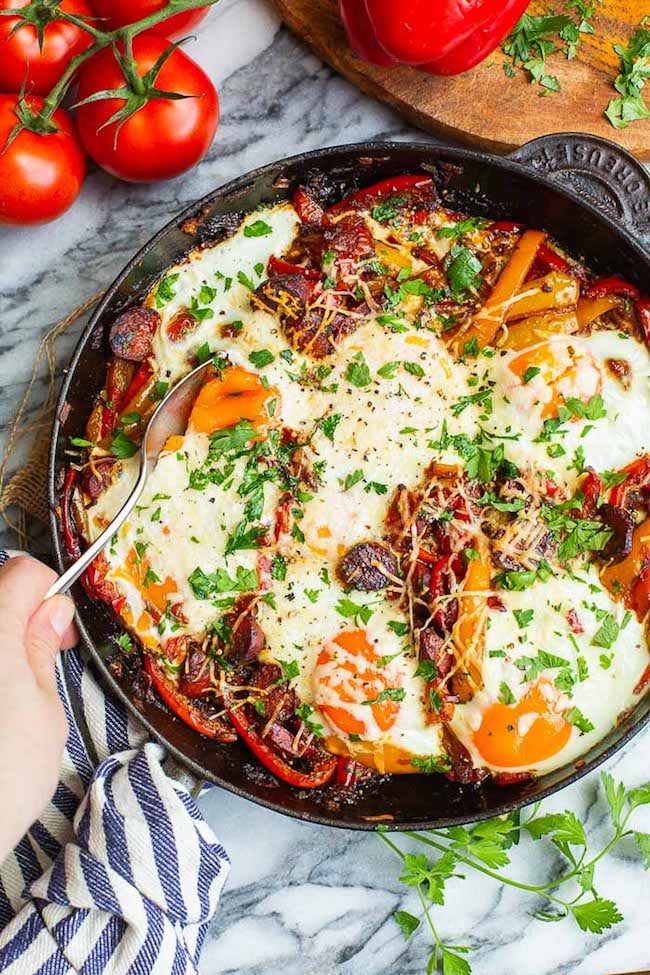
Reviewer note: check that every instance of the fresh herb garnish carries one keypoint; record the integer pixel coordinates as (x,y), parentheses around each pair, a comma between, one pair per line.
(630,106)
(257,229)
(487,848)
(122,446)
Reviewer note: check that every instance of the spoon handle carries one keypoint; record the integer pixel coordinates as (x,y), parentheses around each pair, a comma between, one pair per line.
(77,568)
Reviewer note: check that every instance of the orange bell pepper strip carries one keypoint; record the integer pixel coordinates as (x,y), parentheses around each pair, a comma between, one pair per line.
(469,629)
(491,315)
(591,308)
(539,328)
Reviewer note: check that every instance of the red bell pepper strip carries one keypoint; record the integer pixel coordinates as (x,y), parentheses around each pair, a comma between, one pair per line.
(591,489)
(446,37)
(643,311)
(98,586)
(437,585)
(322,771)
(308,209)
(612,286)
(277,266)
(193,716)
(361,35)
(385,187)
(551,260)
(638,473)
(70,536)
(139,381)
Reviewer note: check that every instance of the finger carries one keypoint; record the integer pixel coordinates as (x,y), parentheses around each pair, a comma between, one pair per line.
(70,638)
(45,635)
(23,583)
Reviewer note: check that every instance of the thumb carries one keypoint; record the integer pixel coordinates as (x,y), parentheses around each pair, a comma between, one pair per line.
(45,636)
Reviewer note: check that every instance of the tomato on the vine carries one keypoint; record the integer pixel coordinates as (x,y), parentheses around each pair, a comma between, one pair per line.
(21,58)
(162,137)
(40,174)
(118,13)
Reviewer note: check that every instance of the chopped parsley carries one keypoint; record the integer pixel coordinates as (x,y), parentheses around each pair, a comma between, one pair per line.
(261,358)
(122,446)
(357,372)
(258,229)
(388,694)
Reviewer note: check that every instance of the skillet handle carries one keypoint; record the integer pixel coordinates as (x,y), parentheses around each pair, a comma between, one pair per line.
(597,170)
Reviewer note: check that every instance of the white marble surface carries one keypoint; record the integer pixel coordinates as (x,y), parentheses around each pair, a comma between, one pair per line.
(301,899)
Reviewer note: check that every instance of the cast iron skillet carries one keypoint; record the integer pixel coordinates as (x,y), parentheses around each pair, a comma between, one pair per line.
(590,195)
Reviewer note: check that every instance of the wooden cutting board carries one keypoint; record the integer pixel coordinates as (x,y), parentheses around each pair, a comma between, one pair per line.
(484,107)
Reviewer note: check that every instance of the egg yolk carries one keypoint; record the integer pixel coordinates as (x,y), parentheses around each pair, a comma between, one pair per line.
(155,592)
(525,733)
(555,371)
(349,686)
(235,395)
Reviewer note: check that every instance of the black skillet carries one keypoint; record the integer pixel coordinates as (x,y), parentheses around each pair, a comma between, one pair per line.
(591,196)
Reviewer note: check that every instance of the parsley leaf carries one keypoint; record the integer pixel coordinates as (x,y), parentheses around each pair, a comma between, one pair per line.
(122,446)
(357,372)
(257,229)
(464,270)
(261,358)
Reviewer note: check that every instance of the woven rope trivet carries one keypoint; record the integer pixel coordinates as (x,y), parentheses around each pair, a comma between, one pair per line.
(23,495)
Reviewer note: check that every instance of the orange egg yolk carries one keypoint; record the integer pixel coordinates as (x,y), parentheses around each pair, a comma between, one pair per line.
(227,399)
(566,372)
(346,679)
(522,734)
(138,571)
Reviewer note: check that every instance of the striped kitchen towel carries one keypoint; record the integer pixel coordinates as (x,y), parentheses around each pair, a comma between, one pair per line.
(120,874)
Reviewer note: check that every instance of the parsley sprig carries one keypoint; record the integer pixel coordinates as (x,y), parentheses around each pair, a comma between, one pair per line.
(486,848)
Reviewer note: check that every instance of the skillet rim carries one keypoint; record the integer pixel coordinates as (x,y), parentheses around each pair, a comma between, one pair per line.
(311,158)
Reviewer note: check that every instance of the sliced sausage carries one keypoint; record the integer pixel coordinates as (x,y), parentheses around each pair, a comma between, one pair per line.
(368,566)
(131,334)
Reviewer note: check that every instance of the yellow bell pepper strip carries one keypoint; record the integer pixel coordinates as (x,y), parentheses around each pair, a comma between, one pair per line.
(491,316)
(554,290)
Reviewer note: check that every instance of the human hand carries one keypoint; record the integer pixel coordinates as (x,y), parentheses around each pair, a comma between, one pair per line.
(33,726)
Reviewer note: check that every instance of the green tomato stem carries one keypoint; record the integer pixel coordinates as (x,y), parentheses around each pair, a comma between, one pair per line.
(103,39)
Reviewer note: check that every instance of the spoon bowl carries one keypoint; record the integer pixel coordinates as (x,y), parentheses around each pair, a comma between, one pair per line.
(168,419)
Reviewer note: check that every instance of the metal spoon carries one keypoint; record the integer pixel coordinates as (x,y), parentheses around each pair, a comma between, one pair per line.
(168,419)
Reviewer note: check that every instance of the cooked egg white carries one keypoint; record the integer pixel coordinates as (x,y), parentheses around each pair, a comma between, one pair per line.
(347,661)
(532,708)
(373,421)
(575,369)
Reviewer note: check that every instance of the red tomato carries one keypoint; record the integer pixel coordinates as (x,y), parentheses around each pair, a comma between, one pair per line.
(19,51)
(166,136)
(121,12)
(40,175)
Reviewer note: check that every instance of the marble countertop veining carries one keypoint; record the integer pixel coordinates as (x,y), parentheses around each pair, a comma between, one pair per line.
(303,899)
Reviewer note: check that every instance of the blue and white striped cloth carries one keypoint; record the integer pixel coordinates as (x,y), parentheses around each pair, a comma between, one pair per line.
(120,875)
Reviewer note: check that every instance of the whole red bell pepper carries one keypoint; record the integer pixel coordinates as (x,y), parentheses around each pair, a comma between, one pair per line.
(443,37)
